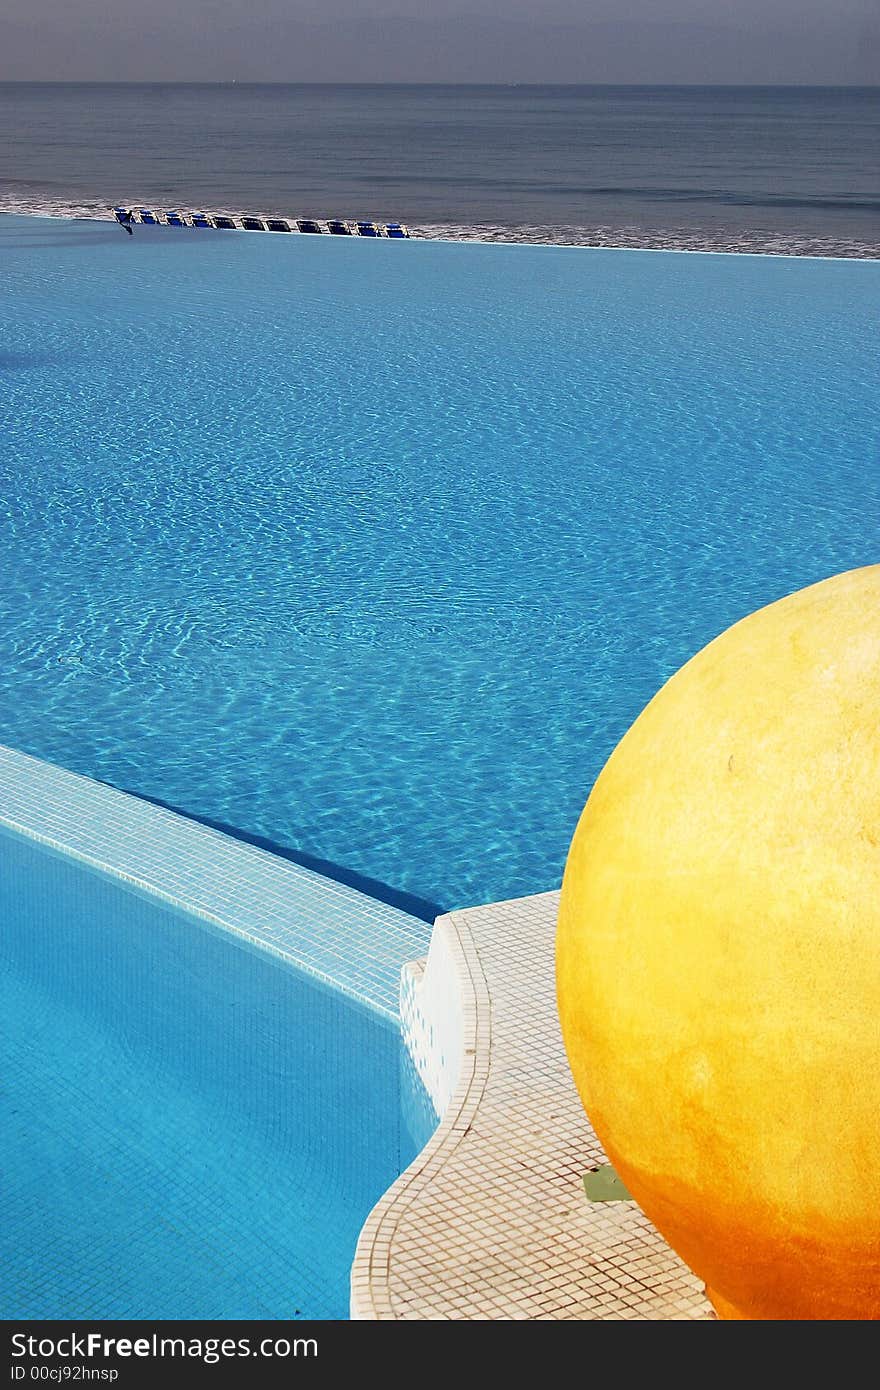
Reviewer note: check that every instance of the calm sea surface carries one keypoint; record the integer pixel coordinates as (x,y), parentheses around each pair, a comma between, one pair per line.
(778,169)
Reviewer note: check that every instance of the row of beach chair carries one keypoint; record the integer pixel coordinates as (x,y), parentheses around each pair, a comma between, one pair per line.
(221,222)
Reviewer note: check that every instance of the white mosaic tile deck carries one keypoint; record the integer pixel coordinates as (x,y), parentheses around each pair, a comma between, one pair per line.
(491,1221)
(353,942)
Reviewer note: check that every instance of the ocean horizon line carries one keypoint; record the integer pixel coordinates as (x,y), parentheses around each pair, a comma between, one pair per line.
(527,86)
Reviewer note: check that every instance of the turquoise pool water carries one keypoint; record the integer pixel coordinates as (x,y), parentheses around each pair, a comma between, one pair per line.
(188,1127)
(374,550)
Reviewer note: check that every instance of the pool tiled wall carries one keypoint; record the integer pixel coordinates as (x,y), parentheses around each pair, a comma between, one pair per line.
(354,943)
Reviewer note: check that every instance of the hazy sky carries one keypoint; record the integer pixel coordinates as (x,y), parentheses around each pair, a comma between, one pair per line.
(821,41)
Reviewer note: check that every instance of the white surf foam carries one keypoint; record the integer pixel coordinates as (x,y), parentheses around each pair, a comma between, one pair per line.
(558,234)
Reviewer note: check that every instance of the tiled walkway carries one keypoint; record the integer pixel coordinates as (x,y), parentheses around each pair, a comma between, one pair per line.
(492,1221)
(355,943)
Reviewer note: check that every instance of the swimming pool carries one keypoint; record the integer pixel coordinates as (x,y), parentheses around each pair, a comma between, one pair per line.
(190,1127)
(373,550)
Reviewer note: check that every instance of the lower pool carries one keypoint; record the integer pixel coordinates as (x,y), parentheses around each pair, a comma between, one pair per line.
(189,1128)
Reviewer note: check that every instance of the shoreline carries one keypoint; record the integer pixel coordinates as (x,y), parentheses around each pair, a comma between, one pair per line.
(569,236)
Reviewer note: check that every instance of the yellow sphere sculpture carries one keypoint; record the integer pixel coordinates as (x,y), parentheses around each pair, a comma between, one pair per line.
(718,958)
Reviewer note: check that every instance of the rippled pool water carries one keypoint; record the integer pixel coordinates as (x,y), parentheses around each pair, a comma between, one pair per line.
(373,550)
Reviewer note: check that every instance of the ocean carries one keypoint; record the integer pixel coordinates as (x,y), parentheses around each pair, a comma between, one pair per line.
(771,169)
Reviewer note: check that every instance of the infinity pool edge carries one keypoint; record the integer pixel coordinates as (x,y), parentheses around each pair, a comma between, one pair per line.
(350,942)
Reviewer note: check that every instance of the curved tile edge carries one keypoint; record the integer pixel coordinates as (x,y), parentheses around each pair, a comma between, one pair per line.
(446,1023)
(492,1221)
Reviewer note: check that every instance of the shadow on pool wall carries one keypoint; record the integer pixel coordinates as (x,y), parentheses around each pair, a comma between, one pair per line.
(371,887)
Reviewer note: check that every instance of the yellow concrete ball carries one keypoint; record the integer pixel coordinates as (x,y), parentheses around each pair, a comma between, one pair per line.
(718,958)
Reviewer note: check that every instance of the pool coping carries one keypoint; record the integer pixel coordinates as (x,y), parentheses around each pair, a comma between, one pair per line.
(491,1221)
(343,938)
(372,1275)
